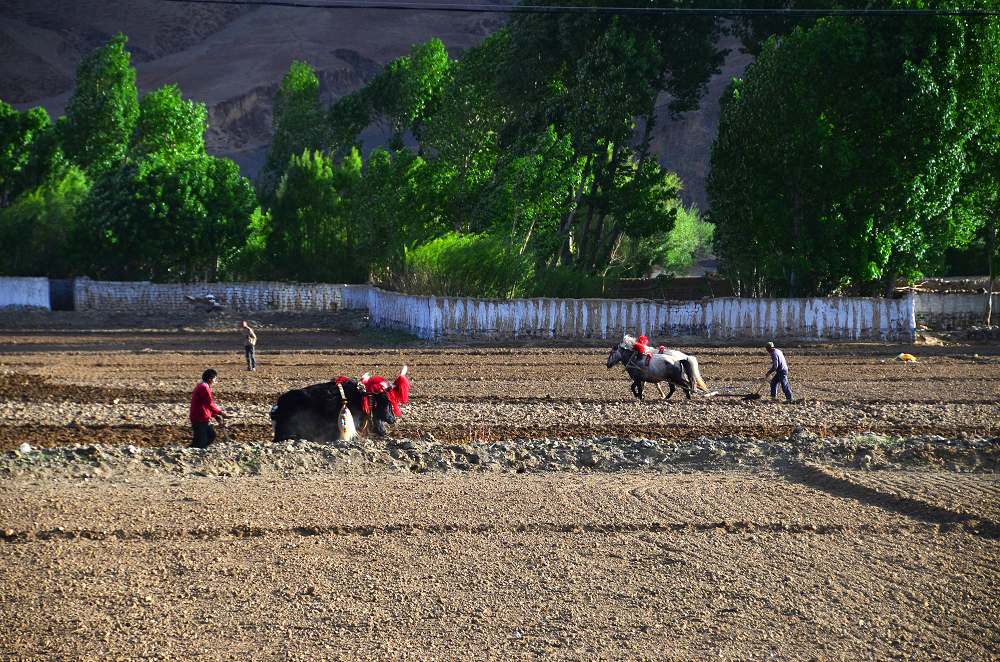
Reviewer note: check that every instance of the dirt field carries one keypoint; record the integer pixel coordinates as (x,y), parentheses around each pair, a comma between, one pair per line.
(526,505)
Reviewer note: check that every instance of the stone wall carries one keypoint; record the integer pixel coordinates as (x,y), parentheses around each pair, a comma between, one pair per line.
(144,296)
(24,293)
(948,312)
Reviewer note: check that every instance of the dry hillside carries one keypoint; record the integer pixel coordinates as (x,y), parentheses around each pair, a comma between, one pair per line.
(232,58)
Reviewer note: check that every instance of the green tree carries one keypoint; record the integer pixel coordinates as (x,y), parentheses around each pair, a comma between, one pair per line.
(21,136)
(525,199)
(345,120)
(249,261)
(979,201)
(675,251)
(298,120)
(37,231)
(541,135)
(169,126)
(597,79)
(310,234)
(103,110)
(166,220)
(464,135)
(396,205)
(408,91)
(839,155)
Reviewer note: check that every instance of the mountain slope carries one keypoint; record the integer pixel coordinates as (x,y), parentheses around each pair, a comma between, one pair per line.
(232,59)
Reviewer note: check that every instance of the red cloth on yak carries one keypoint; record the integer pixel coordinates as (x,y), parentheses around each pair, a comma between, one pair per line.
(398,393)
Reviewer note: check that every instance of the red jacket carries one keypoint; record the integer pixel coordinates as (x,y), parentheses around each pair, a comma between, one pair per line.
(203,406)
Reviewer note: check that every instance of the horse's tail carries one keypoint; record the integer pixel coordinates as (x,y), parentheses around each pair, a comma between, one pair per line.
(694,375)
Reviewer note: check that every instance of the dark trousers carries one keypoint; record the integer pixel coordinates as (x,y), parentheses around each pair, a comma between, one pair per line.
(202,435)
(251,354)
(781,377)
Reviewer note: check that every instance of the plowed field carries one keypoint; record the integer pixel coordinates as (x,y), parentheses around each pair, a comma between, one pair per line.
(794,561)
(122,386)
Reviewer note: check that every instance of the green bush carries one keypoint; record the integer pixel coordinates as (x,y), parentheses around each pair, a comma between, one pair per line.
(37,230)
(455,264)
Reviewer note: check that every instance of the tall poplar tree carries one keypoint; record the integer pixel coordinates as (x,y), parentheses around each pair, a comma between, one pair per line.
(103,110)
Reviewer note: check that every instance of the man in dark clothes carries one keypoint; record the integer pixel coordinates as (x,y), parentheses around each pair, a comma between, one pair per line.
(203,410)
(779,366)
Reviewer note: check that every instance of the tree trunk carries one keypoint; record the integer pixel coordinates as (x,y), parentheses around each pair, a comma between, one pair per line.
(565,253)
(796,237)
(591,244)
(890,283)
(596,246)
(608,248)
(585,237)
(647,134)
(527,237)
(575,196)
(991,243)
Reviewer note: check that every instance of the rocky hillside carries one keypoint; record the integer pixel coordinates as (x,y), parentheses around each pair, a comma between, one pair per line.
(232,58)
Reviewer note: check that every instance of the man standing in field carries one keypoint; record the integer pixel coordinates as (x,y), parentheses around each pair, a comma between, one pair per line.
(779,366)
(250,348)
(203,410)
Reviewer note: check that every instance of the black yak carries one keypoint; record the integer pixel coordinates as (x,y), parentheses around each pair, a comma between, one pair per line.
(313,412)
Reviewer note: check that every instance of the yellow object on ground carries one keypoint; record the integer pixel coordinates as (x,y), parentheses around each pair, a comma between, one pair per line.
(906,358)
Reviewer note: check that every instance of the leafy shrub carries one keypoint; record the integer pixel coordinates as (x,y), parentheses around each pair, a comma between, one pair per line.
(455,264)
(37,230)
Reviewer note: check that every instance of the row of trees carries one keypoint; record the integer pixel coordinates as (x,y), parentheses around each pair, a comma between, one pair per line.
(853,151)
(483,160)
(857,151)
(531,152)
(119,187)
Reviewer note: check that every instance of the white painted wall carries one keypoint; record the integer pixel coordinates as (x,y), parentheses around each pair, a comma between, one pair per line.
(953,311)
(24,293)
(726,318)
(433,317)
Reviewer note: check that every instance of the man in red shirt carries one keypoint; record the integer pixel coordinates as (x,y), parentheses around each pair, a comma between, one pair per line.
(204,409)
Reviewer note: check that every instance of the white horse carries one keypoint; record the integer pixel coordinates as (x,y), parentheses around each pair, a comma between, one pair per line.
(671,366)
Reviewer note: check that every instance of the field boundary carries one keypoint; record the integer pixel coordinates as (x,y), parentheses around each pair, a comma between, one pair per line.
(434,317)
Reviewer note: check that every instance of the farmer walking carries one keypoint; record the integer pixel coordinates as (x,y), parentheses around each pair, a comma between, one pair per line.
(203,410)
(779,366)
(250,348)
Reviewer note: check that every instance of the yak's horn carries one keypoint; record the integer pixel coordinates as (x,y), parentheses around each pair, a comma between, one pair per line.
(366,376)
(403,371)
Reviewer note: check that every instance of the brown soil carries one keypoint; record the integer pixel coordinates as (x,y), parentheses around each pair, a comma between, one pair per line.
(644,566)
(116,386)
(800,561)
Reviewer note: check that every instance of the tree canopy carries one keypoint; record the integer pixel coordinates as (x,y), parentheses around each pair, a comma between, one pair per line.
(103,109)
(841,154)
(298,121)
(169,125)
(853,151)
